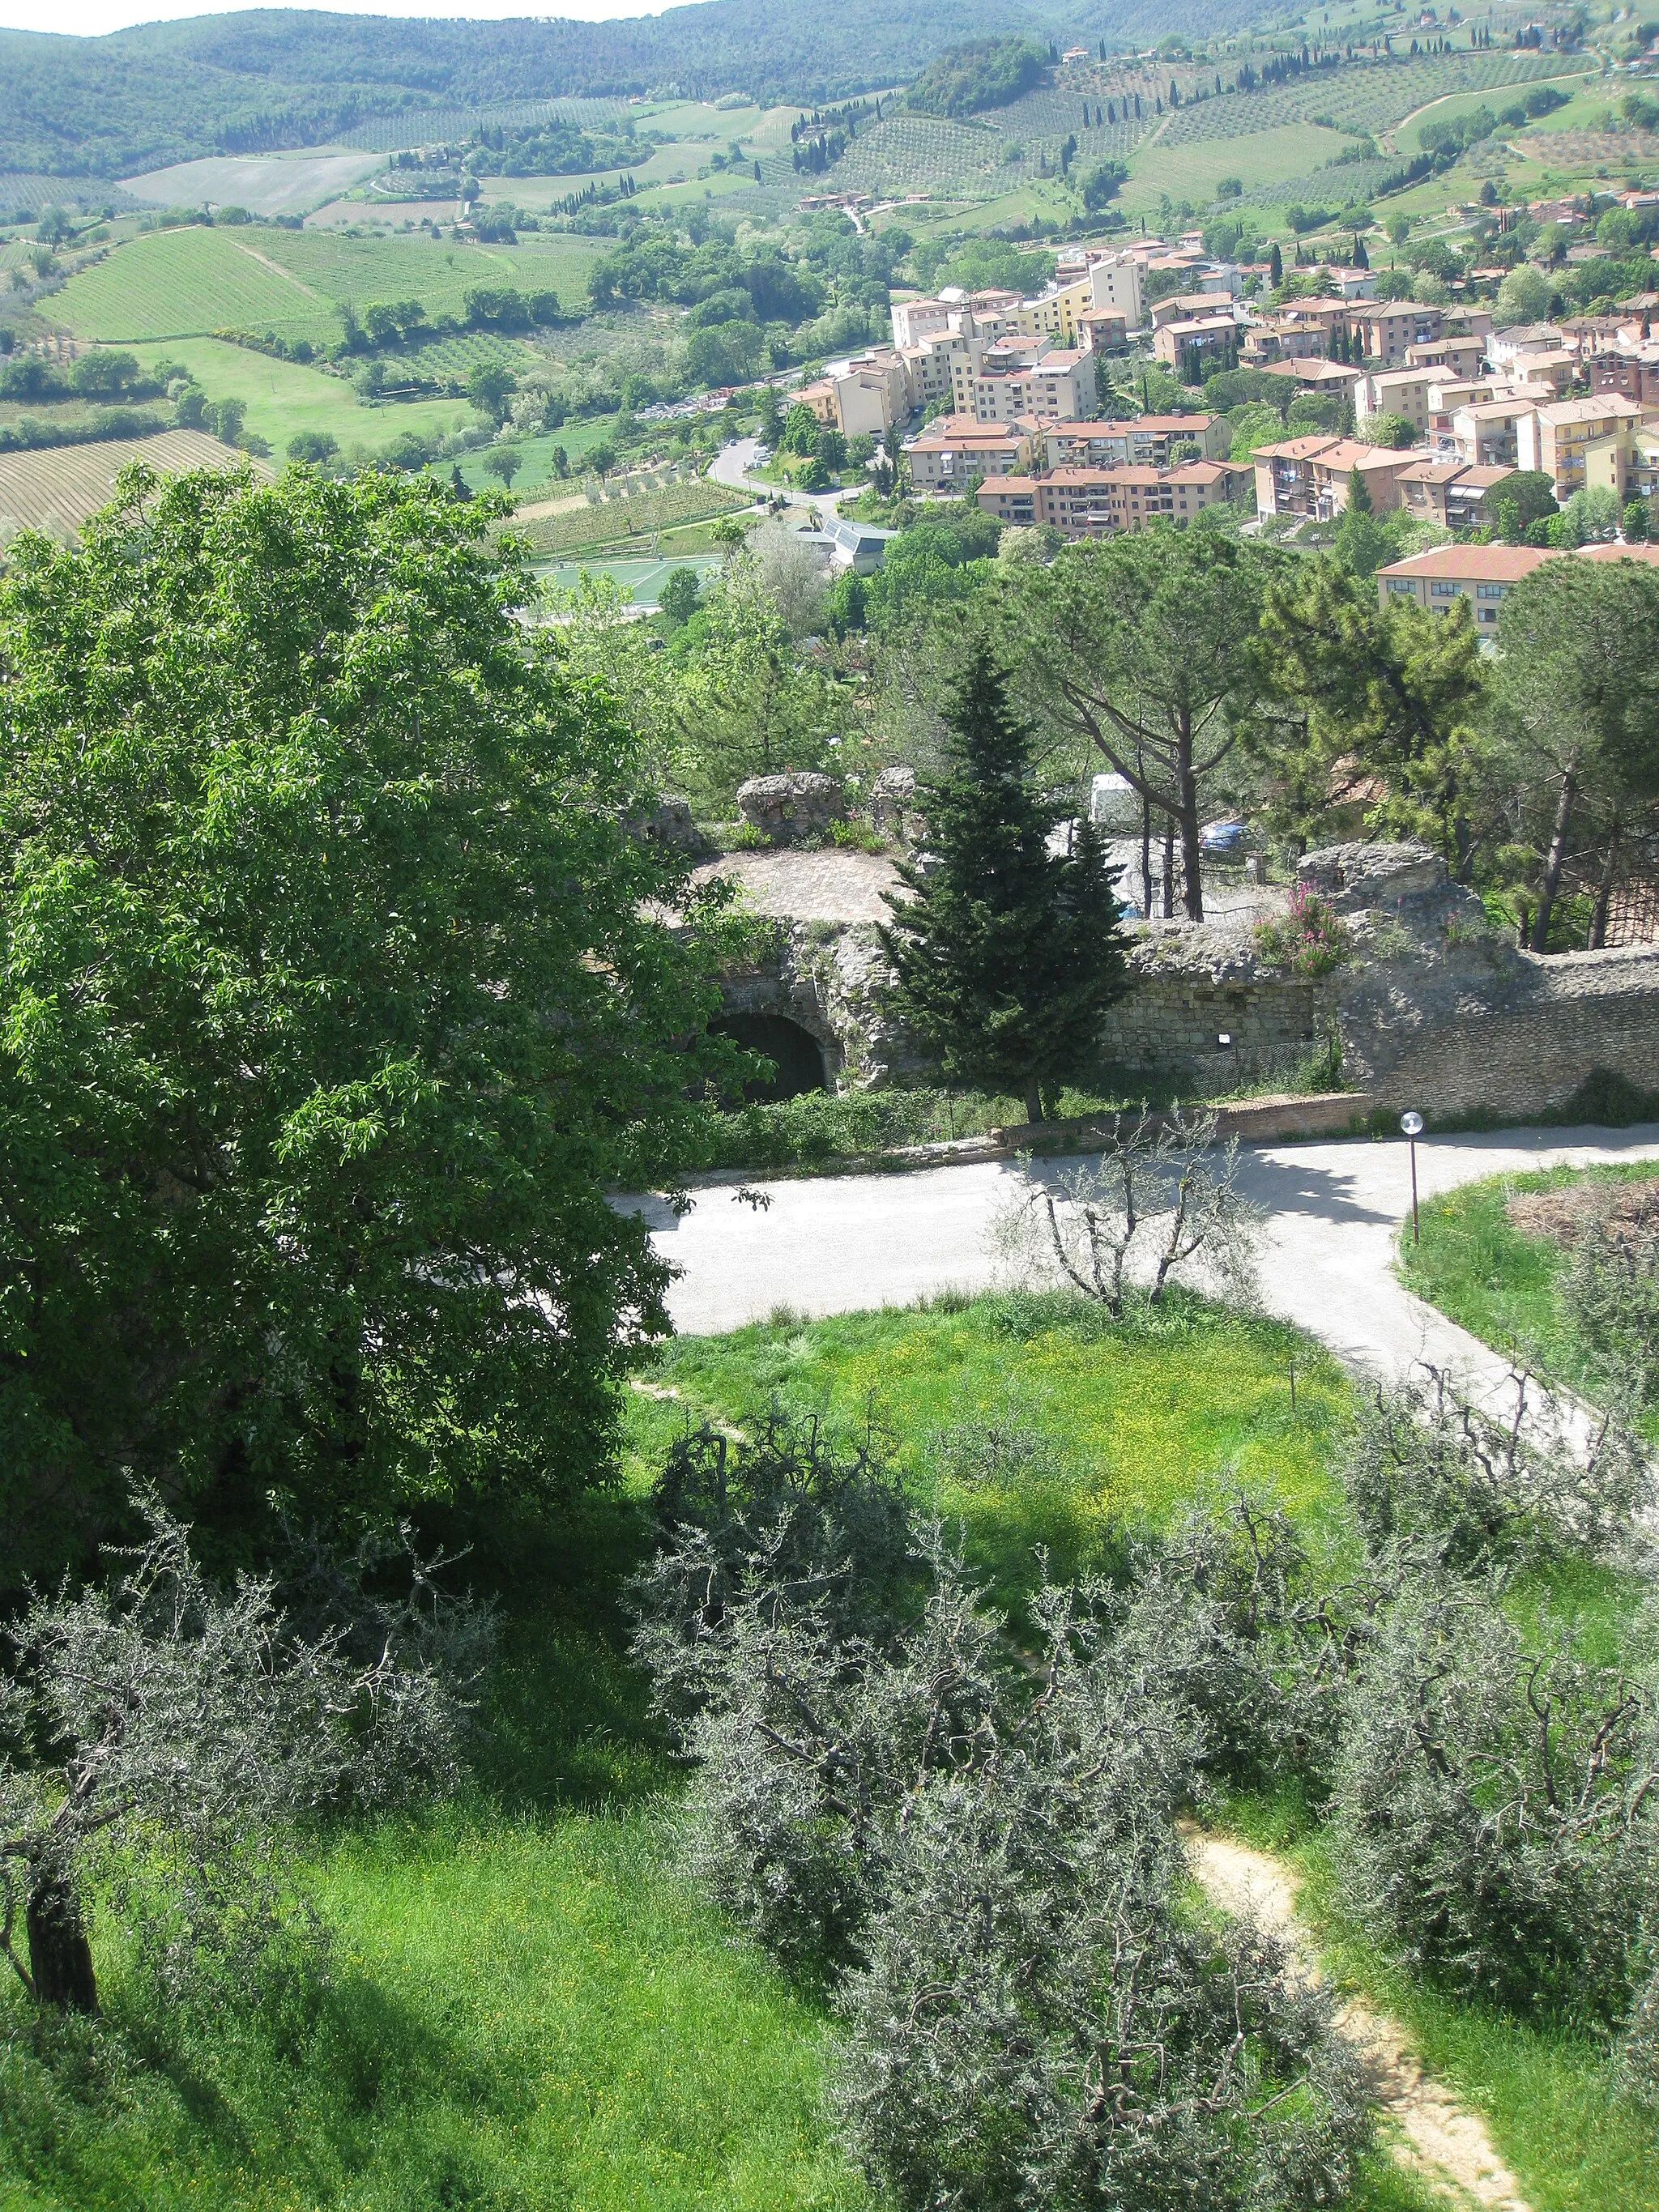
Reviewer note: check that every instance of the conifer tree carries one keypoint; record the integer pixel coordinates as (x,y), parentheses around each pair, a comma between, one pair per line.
(1007,954)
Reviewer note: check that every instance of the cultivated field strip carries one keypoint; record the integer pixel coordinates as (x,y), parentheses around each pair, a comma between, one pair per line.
(56,489)
(388,134)
(1361,96)
(640,514)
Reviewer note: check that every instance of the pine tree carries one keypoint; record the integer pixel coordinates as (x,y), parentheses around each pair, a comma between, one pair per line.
(1006,954)
(1359,493)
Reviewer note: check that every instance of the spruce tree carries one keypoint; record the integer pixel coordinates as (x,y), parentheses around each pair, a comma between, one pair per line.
(1007,954)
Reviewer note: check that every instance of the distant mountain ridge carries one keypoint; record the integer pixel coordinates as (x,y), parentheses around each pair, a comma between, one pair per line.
(259,81)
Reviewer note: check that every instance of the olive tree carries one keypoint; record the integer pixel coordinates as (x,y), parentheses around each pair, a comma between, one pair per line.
(164,1732)
(1162,1202)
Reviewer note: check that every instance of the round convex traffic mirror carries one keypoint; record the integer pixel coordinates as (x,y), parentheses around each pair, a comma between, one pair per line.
(1411,1125)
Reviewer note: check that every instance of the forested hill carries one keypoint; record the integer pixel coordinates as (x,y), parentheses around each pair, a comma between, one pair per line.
(250,83)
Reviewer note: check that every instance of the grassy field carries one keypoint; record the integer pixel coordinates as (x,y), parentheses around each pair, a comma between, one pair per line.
(641,579)
(1478,1267)
(526,2008)
(282,398)
(1129,1424)
(284,184)
(183,283)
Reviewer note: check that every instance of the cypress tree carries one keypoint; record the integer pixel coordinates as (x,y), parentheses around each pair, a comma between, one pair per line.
(1276,265)
(1006,954)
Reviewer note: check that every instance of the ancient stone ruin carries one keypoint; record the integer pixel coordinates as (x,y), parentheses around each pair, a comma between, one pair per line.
(1430,1005)
(786,808)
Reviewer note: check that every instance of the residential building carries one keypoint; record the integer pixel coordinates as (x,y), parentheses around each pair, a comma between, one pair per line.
(820,397)
(1145,442)
(1103,329)
(1439,578)
(1447,492)
(1460,356)
(1553,438)
(1403,392)
(1202,337)
(1096,502)
(916,319)
(1012,377)
(1482,574)
(1311,474)
(1385,330)
(1634,373)
(1508,348)
(1486,433)
(1626,463)
(1342,377)
(1304,330)
(872,393)
(1183,306)
(955,449)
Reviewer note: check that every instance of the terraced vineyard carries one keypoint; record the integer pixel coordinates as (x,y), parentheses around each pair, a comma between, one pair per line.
(56,491)
(386,134)
(189,283)
(184,283)
(459,355)
(640,514)
(1361,96)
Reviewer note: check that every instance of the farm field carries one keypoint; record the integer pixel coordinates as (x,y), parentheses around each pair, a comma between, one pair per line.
(1275,162)
(638,514)
(287,184)
(56,489)
(282,398)
(184,283)
(1408,136)
(536,477)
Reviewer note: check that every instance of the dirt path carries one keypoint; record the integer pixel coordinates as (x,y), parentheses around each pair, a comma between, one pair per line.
(1439,2139)
(278,270)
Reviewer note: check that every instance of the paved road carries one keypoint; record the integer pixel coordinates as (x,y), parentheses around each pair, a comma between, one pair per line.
(839,1243)
(731,465)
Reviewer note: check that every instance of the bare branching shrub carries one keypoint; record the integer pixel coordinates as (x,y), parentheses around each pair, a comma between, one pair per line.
(1425,1465)
(1228,1614)
(1610,1297)
(1038,2021)
(822,1522)
(163,1733)
(1494,1803)
(1162,1204)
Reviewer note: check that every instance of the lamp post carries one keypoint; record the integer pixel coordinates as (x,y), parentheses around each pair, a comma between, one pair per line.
(1412,1127)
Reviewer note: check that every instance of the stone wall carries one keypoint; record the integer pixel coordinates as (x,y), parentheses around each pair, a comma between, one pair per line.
(1433,1008)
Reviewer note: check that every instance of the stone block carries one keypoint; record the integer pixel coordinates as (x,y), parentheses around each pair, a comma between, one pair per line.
(788,807)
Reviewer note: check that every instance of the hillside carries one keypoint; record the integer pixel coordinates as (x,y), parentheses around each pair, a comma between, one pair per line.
(250,83)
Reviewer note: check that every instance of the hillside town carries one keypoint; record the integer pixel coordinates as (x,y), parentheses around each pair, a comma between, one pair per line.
(1007,398)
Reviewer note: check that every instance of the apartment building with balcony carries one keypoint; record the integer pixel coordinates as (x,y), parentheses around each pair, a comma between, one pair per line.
(1405,391)
(1482,575)
(1201,337)
(1142,443)
(1084,502)
(1311,474)
(953,451)
(1387,329)
(1553,438)
(1013,377)
(1448,492)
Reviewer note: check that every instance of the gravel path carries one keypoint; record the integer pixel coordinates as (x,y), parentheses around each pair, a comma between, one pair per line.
(1439,2139)
(835,1244)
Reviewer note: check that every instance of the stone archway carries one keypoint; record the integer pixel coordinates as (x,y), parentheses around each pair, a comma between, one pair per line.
(794,1052)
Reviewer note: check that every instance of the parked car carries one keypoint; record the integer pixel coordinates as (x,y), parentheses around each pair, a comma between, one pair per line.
(1222,841)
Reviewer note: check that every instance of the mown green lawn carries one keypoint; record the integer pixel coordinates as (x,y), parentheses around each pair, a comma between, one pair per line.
(283,398)
(1478,1268)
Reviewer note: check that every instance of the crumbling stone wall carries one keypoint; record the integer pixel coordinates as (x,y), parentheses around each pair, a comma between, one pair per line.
(1433,1009)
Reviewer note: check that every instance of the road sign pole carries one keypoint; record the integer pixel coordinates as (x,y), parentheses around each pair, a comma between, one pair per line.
(1411,1127)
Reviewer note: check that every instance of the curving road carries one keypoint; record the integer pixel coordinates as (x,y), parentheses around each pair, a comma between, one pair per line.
(836,1243)
(731,465)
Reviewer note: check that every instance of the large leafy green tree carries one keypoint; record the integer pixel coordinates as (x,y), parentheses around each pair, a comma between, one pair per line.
(334,995)
(1007,954)
(1575,689)
(1373,706)
(1142,646)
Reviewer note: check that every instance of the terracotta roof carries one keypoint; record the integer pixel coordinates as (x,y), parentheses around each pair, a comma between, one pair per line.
(1469,565)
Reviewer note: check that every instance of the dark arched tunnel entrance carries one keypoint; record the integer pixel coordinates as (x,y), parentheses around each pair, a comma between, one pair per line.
(795,1054)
